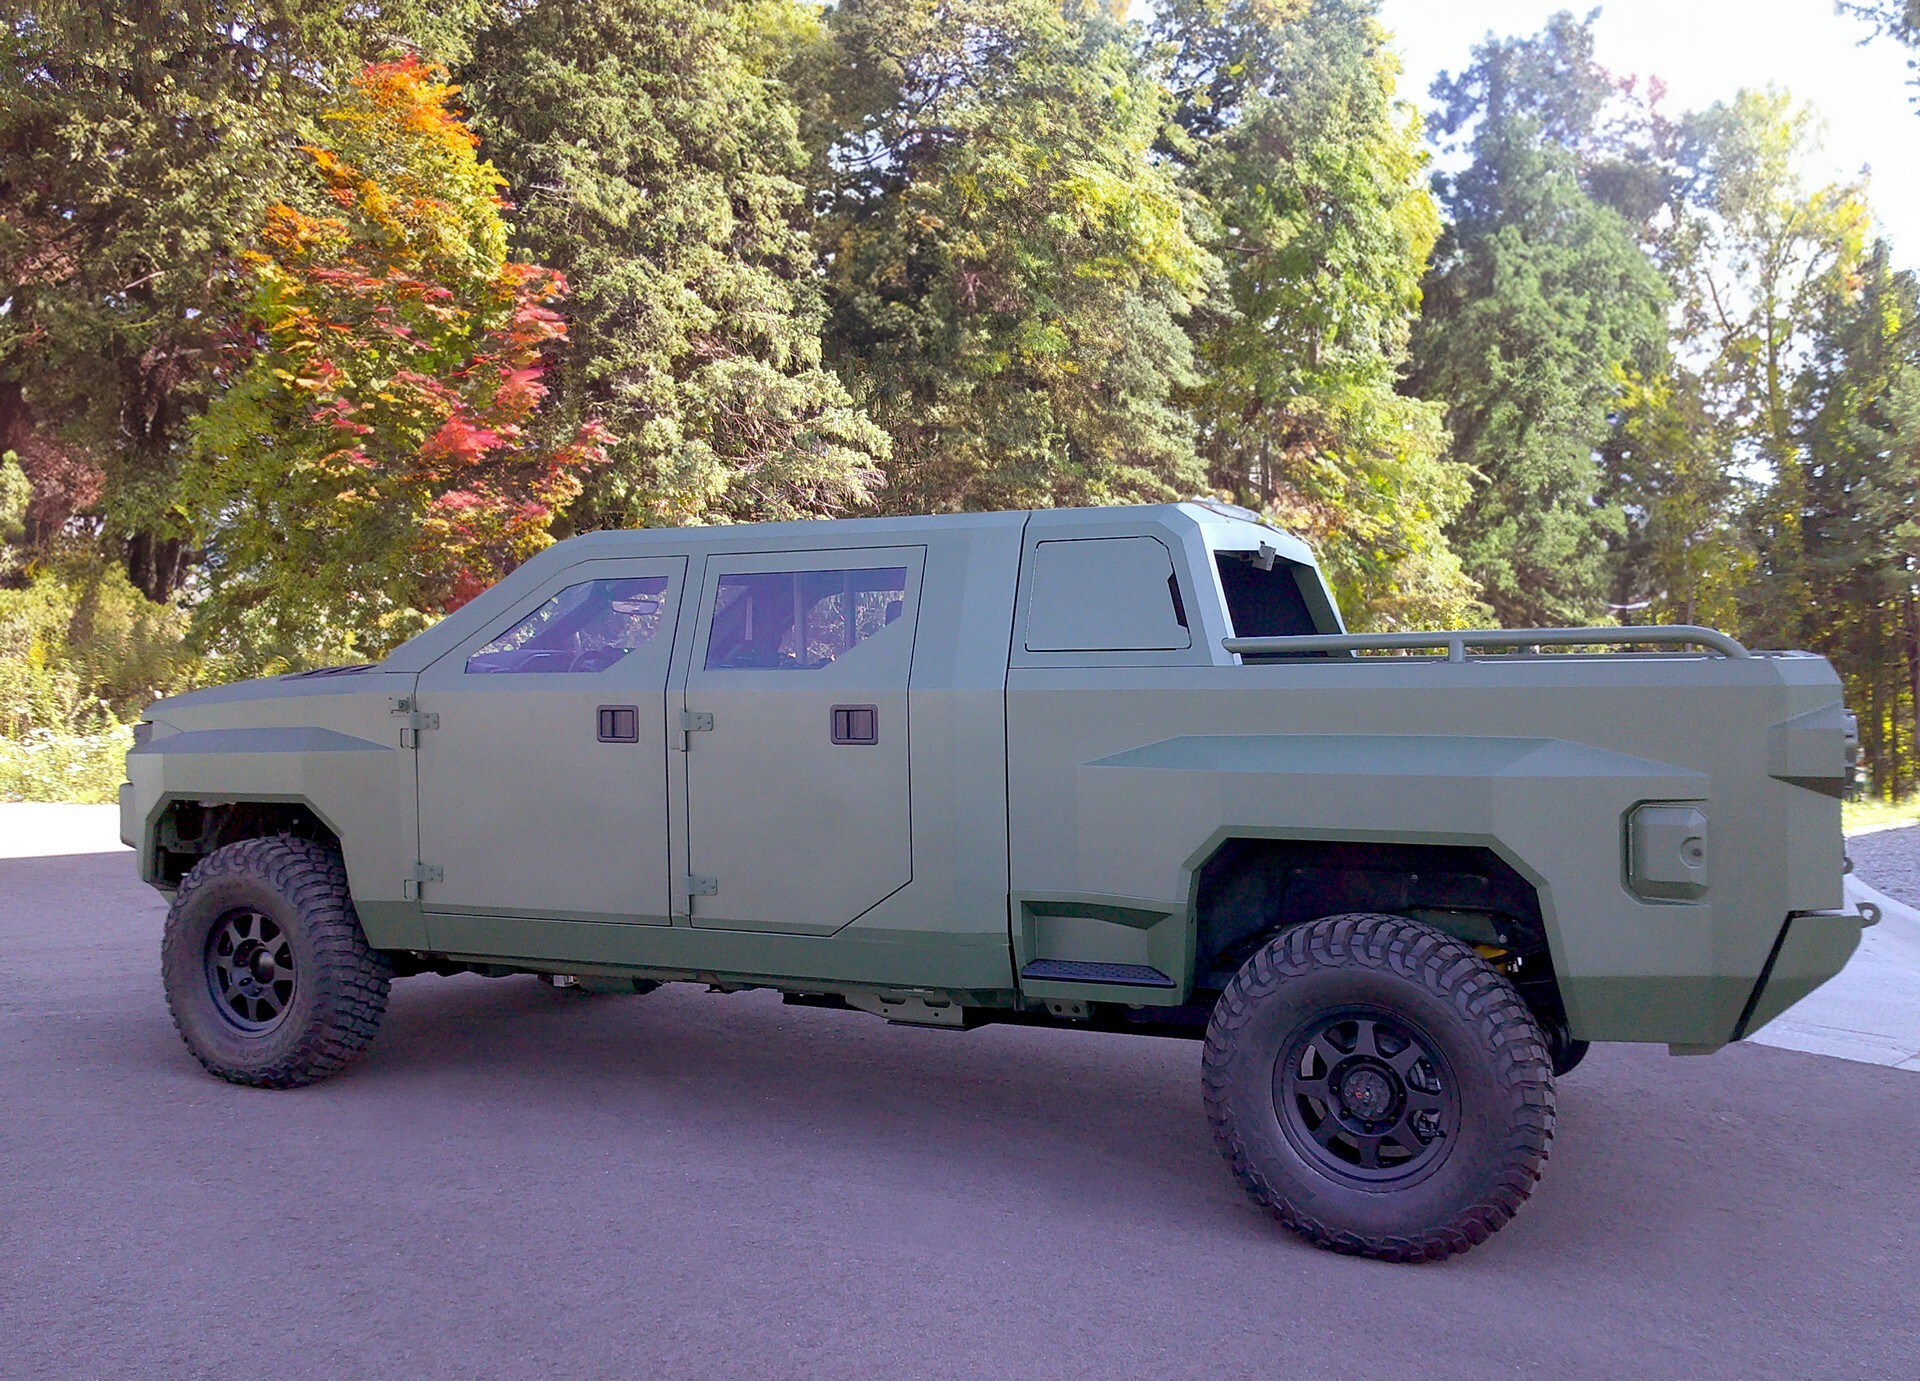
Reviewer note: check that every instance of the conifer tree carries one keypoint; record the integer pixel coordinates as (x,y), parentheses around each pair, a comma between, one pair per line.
(655,157)
(1859,537)
(1006,269)
(1312,173)
(1539,299)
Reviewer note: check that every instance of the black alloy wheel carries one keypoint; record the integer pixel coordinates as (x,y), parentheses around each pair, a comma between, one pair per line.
(1379,1088)
(250,970)
(1367,1096)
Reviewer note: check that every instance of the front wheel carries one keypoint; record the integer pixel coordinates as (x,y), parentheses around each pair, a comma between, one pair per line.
(268,975)
(1379,1088)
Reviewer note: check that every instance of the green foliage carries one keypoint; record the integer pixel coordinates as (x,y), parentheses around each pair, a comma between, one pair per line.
(1858,537)
(656,158)
(50,765)
(267,347)
(15,492)
(82,650)
(369,465)
(1312,171)
(1684,556)
(1539,299)
(1753,251)
(1006,269)
(1754,254)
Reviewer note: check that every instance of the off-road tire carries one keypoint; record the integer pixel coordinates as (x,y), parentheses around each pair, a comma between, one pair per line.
(339,986)
(1473,1178)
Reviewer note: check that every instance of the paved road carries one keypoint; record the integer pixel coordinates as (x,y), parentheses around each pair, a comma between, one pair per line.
(519,1180)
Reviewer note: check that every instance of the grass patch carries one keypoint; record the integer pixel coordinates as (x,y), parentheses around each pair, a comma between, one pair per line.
(1866,814)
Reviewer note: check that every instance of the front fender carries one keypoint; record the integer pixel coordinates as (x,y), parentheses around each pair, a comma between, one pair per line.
(359,788)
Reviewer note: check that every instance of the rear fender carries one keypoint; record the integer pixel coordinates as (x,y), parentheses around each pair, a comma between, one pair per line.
(1554,810)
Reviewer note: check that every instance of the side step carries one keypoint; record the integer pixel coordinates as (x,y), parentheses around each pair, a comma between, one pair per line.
(1074,971)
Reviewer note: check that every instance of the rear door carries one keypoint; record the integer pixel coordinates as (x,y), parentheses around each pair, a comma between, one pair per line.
(798,798)
(543,787)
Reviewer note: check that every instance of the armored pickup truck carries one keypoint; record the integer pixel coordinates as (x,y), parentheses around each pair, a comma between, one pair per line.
(1119,769)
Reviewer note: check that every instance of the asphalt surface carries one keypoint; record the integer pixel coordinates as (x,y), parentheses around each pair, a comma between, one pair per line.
(519,1181)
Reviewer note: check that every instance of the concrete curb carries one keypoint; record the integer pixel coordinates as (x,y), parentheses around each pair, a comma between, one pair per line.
(1870,1011)
(33,829)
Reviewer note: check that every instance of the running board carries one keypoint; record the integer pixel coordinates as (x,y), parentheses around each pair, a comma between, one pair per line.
(1074,971)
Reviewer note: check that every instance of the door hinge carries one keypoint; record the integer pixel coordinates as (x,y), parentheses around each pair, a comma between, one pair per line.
(694,722)
(698,886)
(416,721)
(422,874)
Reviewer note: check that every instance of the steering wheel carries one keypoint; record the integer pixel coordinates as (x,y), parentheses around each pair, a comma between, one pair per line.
(597,658)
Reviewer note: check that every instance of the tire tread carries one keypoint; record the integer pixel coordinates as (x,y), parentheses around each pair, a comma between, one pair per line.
(1449,970)
(353,980)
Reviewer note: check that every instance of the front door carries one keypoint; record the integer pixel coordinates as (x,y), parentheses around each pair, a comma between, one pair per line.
(543,789)
(796,698)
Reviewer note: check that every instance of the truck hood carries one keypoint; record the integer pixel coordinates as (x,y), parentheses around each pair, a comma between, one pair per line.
(191,709)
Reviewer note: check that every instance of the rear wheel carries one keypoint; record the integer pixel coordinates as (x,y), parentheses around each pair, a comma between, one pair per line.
(1379,1088)
(268,975)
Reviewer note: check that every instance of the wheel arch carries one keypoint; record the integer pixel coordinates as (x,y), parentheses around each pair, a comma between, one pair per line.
(185,829)
(1249,888)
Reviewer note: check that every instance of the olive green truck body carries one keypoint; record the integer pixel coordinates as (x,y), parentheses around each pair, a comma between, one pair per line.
(962,768)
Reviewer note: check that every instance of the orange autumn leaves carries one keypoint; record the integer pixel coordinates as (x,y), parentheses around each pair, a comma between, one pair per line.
(382,398)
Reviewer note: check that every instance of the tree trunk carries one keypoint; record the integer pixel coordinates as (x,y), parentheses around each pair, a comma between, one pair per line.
(1876,704)
(1913,683)
(156,565)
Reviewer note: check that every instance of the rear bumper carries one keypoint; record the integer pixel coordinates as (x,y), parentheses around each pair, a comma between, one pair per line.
(1812,947)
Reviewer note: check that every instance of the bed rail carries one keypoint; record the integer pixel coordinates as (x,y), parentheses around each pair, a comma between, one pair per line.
(1457,642)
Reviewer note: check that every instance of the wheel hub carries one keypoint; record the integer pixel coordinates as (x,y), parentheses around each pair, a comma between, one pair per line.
(1367,1091)
(1366,1096)
(250,973)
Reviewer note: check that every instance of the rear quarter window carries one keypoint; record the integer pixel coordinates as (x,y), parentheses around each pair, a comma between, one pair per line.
(1263,603)
(1104,594)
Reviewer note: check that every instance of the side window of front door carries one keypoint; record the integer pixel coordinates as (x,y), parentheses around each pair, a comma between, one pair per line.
(799,809)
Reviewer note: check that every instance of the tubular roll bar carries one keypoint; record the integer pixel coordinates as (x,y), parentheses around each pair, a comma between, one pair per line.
(1457,643)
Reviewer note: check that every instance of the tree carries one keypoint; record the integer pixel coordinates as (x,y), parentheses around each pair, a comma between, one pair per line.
(1538,301)
(1684,555)
(15,492)
(1289,131)
(1859,557)
(1897,19)
(1006,269)
(657,162)
(367,465)
(1755,254)
(139,146)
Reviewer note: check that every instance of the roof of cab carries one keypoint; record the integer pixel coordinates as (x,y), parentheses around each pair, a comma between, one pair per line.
(815,532)
(1220,526)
